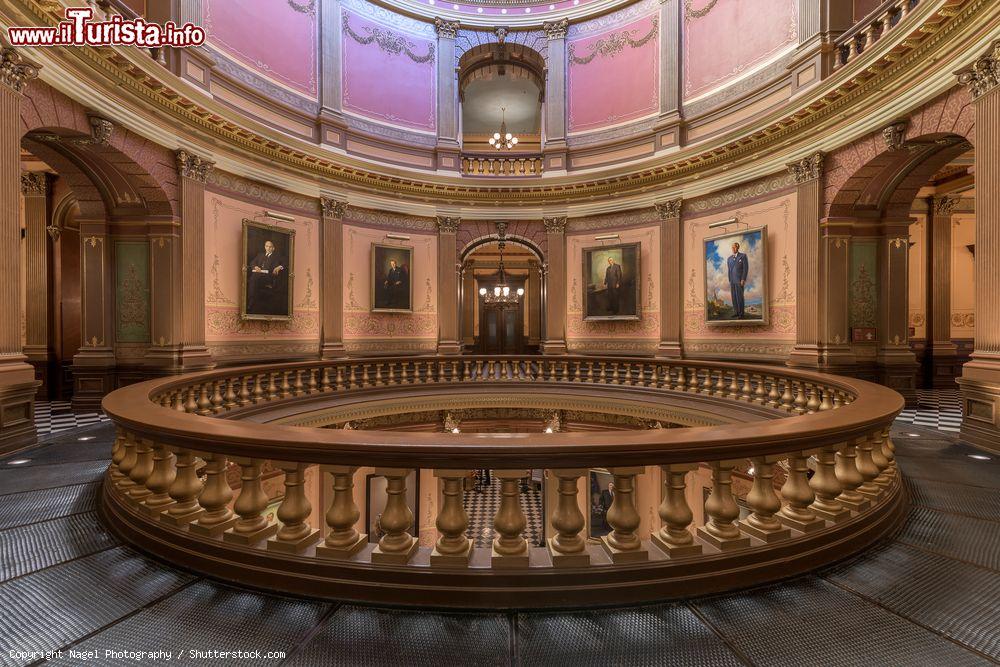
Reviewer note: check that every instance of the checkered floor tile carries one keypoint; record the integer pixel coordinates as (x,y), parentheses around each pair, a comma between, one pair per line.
(482,507)
(56,416)
(936,408)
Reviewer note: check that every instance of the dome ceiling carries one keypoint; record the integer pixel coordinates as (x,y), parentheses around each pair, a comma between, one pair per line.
(515,13)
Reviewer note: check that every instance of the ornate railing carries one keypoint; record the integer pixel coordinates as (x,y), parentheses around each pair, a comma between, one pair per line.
(499,164)
(167,488)
(873,27)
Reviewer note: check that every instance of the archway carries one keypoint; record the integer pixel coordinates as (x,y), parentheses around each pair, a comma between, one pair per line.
(489,329)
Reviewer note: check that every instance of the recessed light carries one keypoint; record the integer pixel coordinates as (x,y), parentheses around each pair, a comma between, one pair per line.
(85,438)
(503,11)
(551,7)
(18,462)
(527,10)
(576,2)
(479,10)
(430,2)
(913,435)
(980,457)
(455,7)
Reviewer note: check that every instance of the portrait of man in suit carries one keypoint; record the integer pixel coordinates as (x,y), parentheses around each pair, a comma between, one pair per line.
(739,269)
(611,274)
(391,278)
(268,271)
(613,285)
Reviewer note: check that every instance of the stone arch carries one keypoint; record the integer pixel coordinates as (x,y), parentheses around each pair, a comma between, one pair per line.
(473,233)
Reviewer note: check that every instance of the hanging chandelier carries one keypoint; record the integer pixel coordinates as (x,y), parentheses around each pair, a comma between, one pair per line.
(503,140)
(502,295)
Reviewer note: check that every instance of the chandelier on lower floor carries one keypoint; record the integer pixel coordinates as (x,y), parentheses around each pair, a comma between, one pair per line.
(503,140)
(502,296)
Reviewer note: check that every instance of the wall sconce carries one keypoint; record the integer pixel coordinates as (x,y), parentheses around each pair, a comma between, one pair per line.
(279,216)
(607,237)
(398,237)
(723,223)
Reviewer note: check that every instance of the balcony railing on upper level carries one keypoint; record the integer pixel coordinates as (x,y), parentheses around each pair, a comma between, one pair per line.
(168,488)
(501,164)
(876,25)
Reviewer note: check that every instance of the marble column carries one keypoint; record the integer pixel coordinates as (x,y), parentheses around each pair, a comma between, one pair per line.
(942,352)
(671,280)
(447,288)
(822,261)
(17,377)
(34,188)
(469,297)
(331,261)
(332,126)
(177,264)
(668,124)
(534,303)
(555,287)
(980,380)
(896,361)
(448,145)
(554,131)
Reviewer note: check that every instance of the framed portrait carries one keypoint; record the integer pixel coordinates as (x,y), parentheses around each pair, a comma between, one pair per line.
(268,273)
(736,278)
(612,276)
(392,288)
(375,498)
(600,502)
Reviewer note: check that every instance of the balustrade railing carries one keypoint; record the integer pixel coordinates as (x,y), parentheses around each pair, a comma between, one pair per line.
(497,164)
(876,25)
(177,437)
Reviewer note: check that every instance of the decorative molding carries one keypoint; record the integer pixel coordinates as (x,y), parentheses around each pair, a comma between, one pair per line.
(274,92)
(244,188)
(601,24)
(332,208)
(808,168)
(669,209)
(193,166)
(895,134)
(554,225)
(735,350)
(54,232)
(389,42)
(308,7)
(556,29)
(446,29)
(984,75)
(101,129)
(388,219)
(614,44)
(15,72)
(448,225)
(33,183)
(501,226)
(740,195)
(691,13)
(631,218)
(945,205)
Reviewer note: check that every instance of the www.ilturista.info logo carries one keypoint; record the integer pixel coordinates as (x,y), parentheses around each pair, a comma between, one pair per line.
(78,29)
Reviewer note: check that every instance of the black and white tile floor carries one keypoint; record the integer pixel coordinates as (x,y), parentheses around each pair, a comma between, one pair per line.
(939,409)
(482,507)
(55,416)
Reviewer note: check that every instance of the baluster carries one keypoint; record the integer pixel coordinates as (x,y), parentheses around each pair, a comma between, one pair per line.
(365,378)
(214,499)
(773,397)
(812,405)
(117,454)
(273,388)
(720,384)
(888,451)
(244,395)
(295,534)
(565,372)
(159,481)
(479,369)
(884,478)
(490,374)
(733,390)
(623,545)
(762,522)
(191,406)
(590,371)
(578,375)
(675,538)
(343,540)
(297,387)
(799,404)
(680,384)
(653,379)
(391,373)
(693,381)
(454,372)
(567,547)
(509,547)
(604,373)
(179,401)
(826,487)
(184,491)
(257,395)
(141,471)
(251,525)
(229,398)
(129,459)
(787,400)
(759,395)
(720,529)
(850,479)
(707,384)
(216,397)
(453,548)
(824,403)
(866,466)
(204,404)
(397,546)
(339,381)
(746,393)
(799,496)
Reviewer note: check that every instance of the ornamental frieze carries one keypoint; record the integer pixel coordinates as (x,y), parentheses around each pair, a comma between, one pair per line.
(389,42)
(614,44)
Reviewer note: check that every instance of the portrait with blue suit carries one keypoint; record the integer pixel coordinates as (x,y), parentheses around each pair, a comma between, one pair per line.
(735,278)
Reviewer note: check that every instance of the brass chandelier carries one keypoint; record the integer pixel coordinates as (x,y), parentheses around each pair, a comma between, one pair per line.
(502,296)
(503,140)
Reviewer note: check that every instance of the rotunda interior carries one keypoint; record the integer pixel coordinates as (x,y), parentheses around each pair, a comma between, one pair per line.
(499,332)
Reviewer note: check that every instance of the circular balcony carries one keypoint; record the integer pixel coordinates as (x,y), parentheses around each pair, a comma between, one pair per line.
(168,492)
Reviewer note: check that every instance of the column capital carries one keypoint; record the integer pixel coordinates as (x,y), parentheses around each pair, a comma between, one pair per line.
(945,205)
(984,75)
(193,166)
(332,208)
(15,72)
(807,169)
(556,29)
(895,134)
(446,29)
(33,183)
(448,225)
(669,209)
(555,225)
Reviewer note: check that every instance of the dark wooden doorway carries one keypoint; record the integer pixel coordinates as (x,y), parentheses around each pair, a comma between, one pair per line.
(501,330)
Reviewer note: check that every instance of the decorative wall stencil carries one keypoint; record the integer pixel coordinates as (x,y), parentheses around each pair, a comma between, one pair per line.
(308,301)
(303,7)
(131,292)
(226,322)
(216,295)
(428,301)
(390,325)
(781,321)
(402,63)
(647,327)
(691,13)
(864,286)
(614,44)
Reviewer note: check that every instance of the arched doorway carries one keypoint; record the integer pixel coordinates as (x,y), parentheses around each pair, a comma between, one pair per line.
(489,328)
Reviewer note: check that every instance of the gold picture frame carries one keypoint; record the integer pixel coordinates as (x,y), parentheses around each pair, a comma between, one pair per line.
(719,308)
(267,295)
(623,303)
(390,298)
